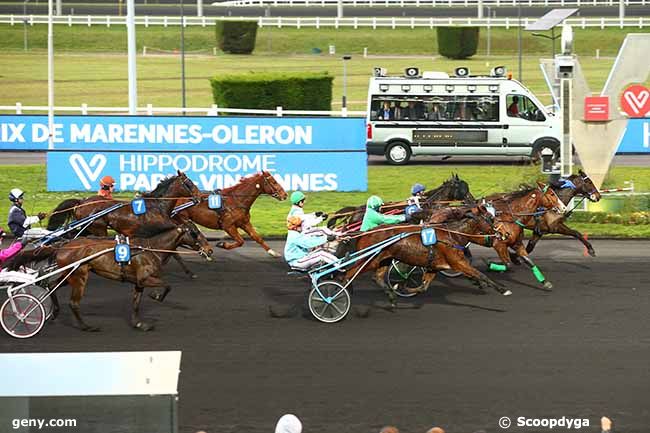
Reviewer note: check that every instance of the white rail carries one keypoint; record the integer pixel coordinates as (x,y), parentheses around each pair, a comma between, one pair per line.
(427,3)
(150,110)
(355,22)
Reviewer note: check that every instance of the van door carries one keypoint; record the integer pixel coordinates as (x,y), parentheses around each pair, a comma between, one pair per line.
(479,130)
(526,121)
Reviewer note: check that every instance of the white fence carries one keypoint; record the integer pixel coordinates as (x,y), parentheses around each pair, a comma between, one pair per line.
(150,110)
(428,3)
(318,22)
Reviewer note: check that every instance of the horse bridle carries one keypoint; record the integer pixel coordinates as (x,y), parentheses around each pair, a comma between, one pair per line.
(276,193)
(188,184)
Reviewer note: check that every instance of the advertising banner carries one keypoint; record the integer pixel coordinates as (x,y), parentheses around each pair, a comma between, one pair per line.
(636,138)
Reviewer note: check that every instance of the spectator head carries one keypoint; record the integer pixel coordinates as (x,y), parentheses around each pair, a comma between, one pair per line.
(515,99)
(389,429)
(435,430)
(386,105)
(288,423)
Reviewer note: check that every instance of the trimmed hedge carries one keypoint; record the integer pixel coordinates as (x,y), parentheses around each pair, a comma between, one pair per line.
(457,42)
(266,91)
(236,37)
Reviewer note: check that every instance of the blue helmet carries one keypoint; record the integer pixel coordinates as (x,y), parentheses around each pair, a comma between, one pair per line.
(417,188)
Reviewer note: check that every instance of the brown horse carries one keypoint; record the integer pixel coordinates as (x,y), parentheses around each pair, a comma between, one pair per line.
(446,254)
(515,211)
(235,211)
(452,189)
(148,255)
(578,185)
(159,202)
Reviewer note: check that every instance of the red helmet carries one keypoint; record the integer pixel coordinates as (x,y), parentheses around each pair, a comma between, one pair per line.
(107,180)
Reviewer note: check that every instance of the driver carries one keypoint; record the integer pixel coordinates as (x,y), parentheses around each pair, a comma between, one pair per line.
(309,220)
(373,218)
(301,250)
(106,187)
(18,221)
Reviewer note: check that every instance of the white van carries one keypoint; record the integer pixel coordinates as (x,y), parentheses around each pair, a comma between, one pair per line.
(435,114)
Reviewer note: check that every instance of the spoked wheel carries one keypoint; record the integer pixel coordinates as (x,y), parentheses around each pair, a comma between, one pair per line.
(455,274)
(41,294)
(402,277)
(333,305)
(22,316)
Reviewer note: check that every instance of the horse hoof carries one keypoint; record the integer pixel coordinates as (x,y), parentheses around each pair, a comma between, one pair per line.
(507,293)
(194,276)
(91,328)
(156,296)
(272,253)
(592,253)
(143,326)
(548,285)
(220,245)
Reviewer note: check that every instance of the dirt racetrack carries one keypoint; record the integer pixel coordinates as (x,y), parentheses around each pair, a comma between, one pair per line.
(452,357)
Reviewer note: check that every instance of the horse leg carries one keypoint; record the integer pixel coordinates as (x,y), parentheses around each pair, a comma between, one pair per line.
(380,276)
(502,250)
(458,263)
(563,229)
(78,281)
(136,322)
(55,305)
(248,228)
(531,243)
(427,279)
(533,267)
(183,265)
(234,234)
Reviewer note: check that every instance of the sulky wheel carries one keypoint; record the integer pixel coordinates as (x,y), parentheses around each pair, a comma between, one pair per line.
(22,316)
(334,303)
(41,294)
(402,277)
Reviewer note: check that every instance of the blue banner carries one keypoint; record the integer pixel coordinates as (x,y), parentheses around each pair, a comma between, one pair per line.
(636,138)
(141,171)
(197,134)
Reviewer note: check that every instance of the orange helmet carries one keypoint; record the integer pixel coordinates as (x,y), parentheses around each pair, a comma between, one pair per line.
(294,222)
(107,180)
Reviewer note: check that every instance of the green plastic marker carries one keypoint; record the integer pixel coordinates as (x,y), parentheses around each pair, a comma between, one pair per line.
(538,274)
(498,267)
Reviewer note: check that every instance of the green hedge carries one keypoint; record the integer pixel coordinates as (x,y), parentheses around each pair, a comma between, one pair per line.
(306,91)
(457,42)
(236,37)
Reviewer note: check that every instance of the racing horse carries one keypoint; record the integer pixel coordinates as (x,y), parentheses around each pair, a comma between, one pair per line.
(575,185)
(148,256)
(159,203)
(453,189)
(234,213)
(443,255)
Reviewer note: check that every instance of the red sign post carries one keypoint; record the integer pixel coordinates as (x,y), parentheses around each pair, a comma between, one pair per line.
(597,108)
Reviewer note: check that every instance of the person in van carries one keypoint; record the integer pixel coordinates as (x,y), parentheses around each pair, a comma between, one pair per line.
(412,112)
(513,109)
(386,112)
(436,112)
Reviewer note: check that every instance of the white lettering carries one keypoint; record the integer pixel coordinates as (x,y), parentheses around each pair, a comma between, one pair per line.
(40,133)
(646,134)
(115,134)
(236,139)
(195,134)
(303,134)
(77,134)
(266,134)
(284,135)
(99,135)
(221,134)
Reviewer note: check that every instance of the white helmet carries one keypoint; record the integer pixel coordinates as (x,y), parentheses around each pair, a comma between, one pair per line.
(15,194)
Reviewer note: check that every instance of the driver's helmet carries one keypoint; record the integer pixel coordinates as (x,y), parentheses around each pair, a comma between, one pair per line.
(417,188)
(15,195)
(297,197)
(374,202)
(107,181)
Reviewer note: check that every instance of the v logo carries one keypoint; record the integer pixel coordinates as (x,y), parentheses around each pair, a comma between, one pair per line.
(637,99)
(87,172)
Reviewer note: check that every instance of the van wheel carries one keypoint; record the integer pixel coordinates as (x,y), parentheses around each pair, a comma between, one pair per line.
(398,153)
(536,155)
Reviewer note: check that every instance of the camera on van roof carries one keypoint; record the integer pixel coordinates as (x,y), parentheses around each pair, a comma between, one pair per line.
(564,66)
(498,71)
(412,72)
(461,72)
(379,72)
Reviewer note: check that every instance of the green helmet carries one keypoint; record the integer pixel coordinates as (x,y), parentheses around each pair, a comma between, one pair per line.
(297,197)
(374,202)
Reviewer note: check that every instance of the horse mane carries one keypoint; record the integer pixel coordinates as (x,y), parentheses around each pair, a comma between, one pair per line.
(161,188)
(153,229)
(523,191)
(244,180)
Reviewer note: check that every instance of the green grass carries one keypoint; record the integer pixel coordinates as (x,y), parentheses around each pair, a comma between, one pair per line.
(391,183)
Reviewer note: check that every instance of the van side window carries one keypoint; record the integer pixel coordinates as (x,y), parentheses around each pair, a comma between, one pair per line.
(521,106)
(440,108)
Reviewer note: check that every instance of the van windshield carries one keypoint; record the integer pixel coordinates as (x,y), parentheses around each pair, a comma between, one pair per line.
(444,108)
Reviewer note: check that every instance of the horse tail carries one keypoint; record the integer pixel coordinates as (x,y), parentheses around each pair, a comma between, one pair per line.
(27,256)
(62,213)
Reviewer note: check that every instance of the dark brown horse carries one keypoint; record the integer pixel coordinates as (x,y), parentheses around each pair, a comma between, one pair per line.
(446,254)
(148,255)
(235,210)
(576,185)
(453,189)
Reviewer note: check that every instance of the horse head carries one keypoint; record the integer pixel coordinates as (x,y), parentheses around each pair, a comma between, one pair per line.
(550,200)
(270,186)
(191,237)
(585,187)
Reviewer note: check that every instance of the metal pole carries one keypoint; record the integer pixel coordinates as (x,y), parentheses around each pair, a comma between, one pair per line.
(566,159)
(183,56)
(133,76)
(199,8)
(59,7)
(50,76)
(25,24)
(480,9)
(344,102)
(519,37)
(489,35)
(553,41)
(339,9)
(621,10)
